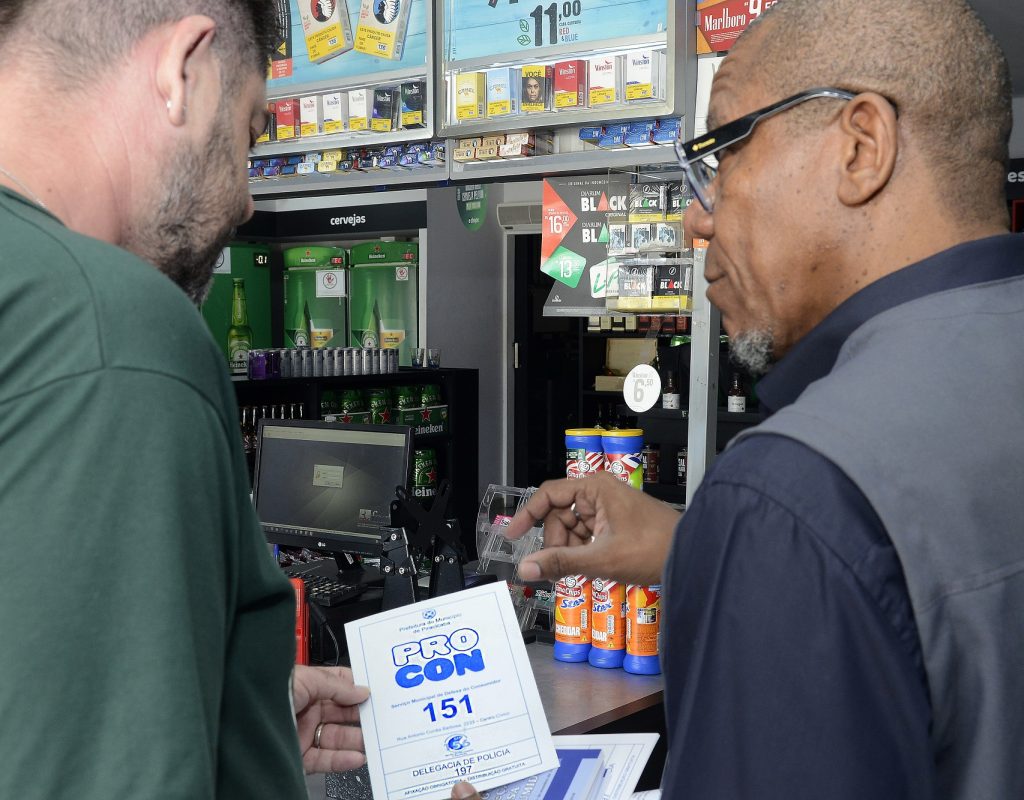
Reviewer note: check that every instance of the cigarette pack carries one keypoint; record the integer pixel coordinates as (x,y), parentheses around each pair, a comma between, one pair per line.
(616,238)
(464,154)
(334,114)
(639,138)
(310,118)
(470,88)
(332,155)
(306,168)
(464,143)
(514,151)
(359,109)
(381,28)
(287,115)
(414,94)
(605,73)
(571,84)
(384,107)
(645,71)
(666,235)
(493,141)
(312,158)
(327,28)
(648,200)
(612,141)
(640,234)
(591,134)
(269,133)
(486,153)
(536,83)
(502,92)
(540,142)
(327,166)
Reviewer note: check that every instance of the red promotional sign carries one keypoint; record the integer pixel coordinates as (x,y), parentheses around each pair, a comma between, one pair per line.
(722,21)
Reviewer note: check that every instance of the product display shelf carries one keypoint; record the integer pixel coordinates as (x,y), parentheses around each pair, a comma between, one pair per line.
(456,451)
(591,160)
(342,181)
(343,140)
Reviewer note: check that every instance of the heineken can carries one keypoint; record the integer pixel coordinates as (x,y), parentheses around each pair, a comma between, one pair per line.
(366,354)
(357,361)
(379,407)
(318,363)
(430,395)
(328,362)
(351,402)
(286,363)
(306,357)
(407,397)
(339,361)
(346,355)
(392,359)
(273,363)
(424,473)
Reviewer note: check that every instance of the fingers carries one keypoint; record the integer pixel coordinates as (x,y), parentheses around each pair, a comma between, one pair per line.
(326,685)
(554,563)
(341,748)
(463,791)
(554,501)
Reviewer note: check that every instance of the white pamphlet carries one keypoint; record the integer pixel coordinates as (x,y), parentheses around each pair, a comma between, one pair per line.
(452,696)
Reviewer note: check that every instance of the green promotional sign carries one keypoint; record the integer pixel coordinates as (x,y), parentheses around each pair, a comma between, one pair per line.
(250,265)
(472,203)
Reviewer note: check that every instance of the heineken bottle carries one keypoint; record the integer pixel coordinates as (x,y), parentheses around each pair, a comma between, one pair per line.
(239,334)
(296,326)
(424,472)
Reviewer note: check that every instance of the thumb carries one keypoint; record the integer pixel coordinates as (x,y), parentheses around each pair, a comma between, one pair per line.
(463,791)
(554,563)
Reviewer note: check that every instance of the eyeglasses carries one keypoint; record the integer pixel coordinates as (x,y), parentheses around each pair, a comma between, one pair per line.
(692,154)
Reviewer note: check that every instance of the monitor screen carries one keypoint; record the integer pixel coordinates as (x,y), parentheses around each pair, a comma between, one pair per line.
(329,487)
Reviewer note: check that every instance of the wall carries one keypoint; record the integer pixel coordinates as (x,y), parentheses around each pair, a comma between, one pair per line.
(464,308)
(1017,136)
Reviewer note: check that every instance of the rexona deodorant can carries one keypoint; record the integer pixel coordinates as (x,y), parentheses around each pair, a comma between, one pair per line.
(572,618)
(622,455)
(643,623)
(608,624)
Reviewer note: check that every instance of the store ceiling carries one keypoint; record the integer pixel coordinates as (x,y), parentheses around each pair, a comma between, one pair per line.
(1006,20)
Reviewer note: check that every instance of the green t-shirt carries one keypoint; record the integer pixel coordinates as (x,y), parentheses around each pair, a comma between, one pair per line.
(146,635)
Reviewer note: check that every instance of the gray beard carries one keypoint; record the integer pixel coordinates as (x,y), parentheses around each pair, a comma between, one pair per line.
(752,350)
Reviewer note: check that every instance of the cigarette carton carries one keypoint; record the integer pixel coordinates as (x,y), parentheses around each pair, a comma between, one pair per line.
(414,94)
(536,88)
(334,112)
(359,109)
(502,92)
(464,154)
(606,79)
(487,153)
(643,75)
(384,108)
(327,28)
(310,116)
(381,28)
(470,89)
(287,119)
(571,84)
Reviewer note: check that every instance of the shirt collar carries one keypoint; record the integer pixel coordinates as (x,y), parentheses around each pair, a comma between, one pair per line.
(813,357)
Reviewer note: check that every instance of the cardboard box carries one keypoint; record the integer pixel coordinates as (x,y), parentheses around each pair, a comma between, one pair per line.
(605,74)
(514,151)
(413,101)
(571,84)
(382,27)
(461,144)
(591,134)
(493,141)
(310,116)
(502,91)
(287,114)
(470,93)
(334,112)
(536,88)
(425,420)
(609,383)
(326,36)
(384,109)
(359,109)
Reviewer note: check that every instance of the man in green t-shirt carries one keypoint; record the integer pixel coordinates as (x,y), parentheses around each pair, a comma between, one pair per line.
(147,634)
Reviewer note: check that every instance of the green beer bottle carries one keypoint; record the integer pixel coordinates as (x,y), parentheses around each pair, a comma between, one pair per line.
(424,473)
(239,334)
(297,325)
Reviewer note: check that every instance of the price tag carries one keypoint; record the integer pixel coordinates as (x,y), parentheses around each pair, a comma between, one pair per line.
(642,388)
(477,28)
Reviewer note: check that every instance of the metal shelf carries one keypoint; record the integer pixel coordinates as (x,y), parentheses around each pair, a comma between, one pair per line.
(560,119)
(342,181)
(591,160)
(343,140)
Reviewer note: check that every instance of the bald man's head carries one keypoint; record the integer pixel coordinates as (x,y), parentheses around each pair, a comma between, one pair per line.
(934,59)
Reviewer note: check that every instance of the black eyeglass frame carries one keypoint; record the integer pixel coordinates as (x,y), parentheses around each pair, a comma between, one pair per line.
(691,154)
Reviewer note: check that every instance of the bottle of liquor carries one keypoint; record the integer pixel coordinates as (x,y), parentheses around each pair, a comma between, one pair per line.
(599,422)
(736,400)
(670,398)
(239,334)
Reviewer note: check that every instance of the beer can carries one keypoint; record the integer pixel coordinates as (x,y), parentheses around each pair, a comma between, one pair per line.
(649,459)
(351,402)
(339,361)
(286,363)
(306,355)
(430,395)
(375,360)
(318,363)
(407,397)
(392,359)
(424,473)
(584,454)
(379,406)
(366,354)
(274,363)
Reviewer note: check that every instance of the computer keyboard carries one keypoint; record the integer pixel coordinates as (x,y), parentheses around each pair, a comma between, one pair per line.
(326,591)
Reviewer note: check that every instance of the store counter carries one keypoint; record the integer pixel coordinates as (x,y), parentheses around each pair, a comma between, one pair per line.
(577,699)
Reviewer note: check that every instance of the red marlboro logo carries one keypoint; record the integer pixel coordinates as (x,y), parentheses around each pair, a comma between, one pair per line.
(722,22)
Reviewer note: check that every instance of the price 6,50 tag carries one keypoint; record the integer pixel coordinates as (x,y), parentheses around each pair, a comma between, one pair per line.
(642,388)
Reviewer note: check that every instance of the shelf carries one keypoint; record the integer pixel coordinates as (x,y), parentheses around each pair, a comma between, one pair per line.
(745,418)
(596,393)
(632,334)
(341,181)
(662,413)
(593,159)
(669,492)
(340,141)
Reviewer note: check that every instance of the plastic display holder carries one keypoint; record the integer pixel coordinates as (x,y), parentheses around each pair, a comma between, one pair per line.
(500,556)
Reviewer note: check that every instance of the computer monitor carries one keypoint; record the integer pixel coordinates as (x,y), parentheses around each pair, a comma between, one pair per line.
(326,486)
